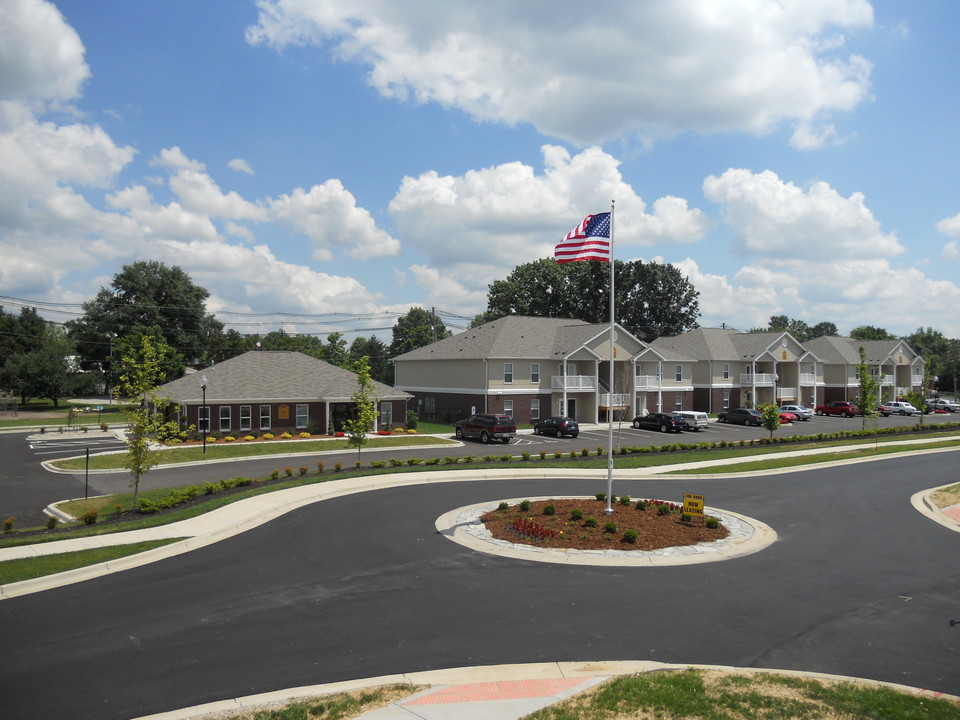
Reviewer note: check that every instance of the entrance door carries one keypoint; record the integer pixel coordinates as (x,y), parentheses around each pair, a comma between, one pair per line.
(571,408)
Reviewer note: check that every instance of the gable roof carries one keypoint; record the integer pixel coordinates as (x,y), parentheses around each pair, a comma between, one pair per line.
(515,336)
(265,375)
(845,350)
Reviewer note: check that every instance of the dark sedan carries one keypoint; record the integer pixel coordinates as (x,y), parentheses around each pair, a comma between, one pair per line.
(558,426)
(660,421)
(741,416)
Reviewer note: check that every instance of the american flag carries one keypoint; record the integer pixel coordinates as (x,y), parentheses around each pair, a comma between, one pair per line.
(590,240)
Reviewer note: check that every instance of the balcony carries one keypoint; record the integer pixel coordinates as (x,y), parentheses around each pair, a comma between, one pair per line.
(573,382)
(807,379)
(647,382)
(619,400)
(758,379)
(789,393)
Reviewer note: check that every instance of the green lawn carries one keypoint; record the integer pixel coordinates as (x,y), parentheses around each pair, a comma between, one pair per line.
(28,568)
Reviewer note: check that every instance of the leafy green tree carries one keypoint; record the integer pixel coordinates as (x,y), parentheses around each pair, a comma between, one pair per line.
(171,362)
(918,398)
(142,296)
(20,334)
(798,328)
(365,410)
(650,299)
(868,392)
(822,329)
(378,354)
(935,349)
(417,329)
(770,417)
(140,374)
(335,350)
(44,371)
(869,332)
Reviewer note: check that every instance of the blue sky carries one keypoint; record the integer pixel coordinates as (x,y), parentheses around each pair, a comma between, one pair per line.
(342,162)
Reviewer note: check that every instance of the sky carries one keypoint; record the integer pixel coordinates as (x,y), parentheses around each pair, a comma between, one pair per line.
(322,165)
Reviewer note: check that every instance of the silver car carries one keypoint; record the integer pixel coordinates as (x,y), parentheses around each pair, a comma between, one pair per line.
(897,408)
(800,411)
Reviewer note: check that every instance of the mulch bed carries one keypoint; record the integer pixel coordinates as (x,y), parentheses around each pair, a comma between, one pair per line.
(654,531)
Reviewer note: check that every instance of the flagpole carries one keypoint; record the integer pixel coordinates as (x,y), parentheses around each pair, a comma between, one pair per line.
(609,510)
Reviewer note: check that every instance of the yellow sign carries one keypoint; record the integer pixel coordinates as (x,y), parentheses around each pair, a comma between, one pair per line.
(283,412)
(693,504)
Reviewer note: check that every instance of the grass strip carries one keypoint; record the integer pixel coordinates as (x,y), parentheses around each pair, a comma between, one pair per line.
(715,695)
(33,567)
(338,706)
(194,453)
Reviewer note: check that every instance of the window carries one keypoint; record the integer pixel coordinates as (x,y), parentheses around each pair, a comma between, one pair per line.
(386,415)
(726,400)
(507,373)
(303,416)
(535,409)
(264,417)
(245,417)
(678,402)
(508,408)
(726,371)
(678,373)
(203,418)
(224,418)
(535,373)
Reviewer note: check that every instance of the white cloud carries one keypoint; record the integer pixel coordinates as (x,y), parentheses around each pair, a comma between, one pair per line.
(328,214)
(655,68)
(41,57)
(778,219)
(950,226)
(240,165)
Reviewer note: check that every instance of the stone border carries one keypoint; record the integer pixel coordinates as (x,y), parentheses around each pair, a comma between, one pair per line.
(746,537)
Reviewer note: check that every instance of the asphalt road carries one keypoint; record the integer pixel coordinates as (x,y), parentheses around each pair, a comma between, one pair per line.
(26,489)
(859,583)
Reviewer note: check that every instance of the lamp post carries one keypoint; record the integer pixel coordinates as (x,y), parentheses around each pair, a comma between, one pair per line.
(206,412)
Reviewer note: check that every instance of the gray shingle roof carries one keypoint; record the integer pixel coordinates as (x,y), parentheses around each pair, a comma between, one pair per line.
(263,375)
(514,336)
(722,343)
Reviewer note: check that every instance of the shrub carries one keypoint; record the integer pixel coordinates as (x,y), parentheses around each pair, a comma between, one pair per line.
(303,469)
(118,509)
(268,436)
(248,438)
(90,517)
(448,460)
(229,438)
(285,435)
(549,510)
(585,452)
(610,527)
(663,509)
(590,521)
(320,466)
(557,455)
(576,514)
(52,522)
(624,499)
(573,454)
(641,505)
(543,454)
(630,536)
(288,471)
(525,506)
(377,463)
(503,505)
(305,435)
(599,450)
(274,474)
(432,461)
(601,497)
(712,523)
(394,462)
(357,464)
(686,517)
(338,467)
(8,523)
(414,461)
(103,426)
(525,455)
(489,458)
(506,458)
(412,431)
(211,438)
(467,459)
(412,419)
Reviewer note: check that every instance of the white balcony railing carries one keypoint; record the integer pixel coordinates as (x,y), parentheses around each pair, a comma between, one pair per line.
(647,382)
(786,392)
(573,382)
(807,379)
(618,400)
(886,380)
(759,379)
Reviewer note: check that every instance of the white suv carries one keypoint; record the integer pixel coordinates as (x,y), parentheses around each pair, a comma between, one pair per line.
(695,419)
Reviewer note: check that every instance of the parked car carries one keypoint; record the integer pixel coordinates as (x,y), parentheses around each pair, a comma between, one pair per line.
(786,417)
(938,404)
(660,421)
(800,411)
(741,416)
(838,407)
(557,425)
(696,420)
(897,408)
(487,427)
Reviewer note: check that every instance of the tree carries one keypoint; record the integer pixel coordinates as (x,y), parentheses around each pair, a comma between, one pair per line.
(20,334)
(140,372)
(918,398)
(45,370)
(935,349)
(335,350)
(869,332)
(651,299)
(868,391)
(798,328)
(822,329)
(171,364)
(365,406)
(770,417)
(417,329)
(378,355)
(145,295)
